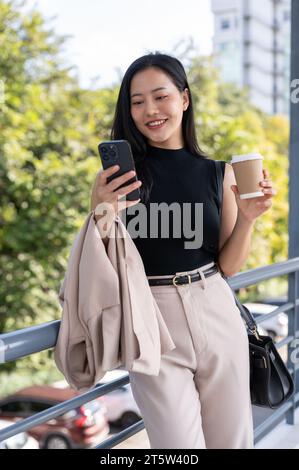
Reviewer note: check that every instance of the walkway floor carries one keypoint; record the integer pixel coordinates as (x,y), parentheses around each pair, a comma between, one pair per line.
(284,436)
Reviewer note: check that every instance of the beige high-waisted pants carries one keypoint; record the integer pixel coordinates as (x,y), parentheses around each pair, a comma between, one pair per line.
(201,397)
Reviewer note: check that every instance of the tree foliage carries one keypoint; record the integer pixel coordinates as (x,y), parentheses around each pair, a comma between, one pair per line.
(49,131)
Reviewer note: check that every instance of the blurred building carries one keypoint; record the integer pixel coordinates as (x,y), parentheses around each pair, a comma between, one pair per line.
(252,48)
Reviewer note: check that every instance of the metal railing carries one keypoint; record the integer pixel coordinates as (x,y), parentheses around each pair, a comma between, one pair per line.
(31,340)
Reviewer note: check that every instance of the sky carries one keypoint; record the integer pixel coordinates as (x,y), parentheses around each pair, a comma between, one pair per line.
(107,35)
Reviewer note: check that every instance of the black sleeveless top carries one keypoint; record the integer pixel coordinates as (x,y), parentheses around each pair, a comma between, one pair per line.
(179,177)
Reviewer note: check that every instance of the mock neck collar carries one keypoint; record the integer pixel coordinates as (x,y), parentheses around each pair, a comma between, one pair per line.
(159,150)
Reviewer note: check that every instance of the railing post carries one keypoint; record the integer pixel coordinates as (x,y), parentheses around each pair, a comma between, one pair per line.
(294,175)
(292,328)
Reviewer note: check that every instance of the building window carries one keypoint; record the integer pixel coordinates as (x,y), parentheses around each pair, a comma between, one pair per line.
(225,24)
(228,46)
(223,46)
(286,15)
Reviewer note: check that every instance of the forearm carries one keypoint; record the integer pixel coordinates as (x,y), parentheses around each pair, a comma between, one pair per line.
(236,249)
(97,217)
(105,238)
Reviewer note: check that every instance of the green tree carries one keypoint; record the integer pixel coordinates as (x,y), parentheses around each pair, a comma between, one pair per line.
(49,132)
(49,129)
(228,124)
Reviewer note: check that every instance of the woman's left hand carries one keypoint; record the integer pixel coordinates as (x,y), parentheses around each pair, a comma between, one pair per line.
(252,208)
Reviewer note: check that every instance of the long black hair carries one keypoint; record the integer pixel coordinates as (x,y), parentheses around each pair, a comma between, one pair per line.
(123,126)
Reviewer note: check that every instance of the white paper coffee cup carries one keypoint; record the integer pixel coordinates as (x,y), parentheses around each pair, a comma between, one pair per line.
(248,169)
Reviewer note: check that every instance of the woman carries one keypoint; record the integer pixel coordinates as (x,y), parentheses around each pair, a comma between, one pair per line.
(201,397)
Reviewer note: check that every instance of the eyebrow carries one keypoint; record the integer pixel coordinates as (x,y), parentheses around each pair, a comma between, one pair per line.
(152,91)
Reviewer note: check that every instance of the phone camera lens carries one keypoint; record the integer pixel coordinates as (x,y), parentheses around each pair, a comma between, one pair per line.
(109,152)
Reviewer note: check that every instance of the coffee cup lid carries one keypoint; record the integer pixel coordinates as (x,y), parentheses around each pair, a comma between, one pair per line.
(245,157)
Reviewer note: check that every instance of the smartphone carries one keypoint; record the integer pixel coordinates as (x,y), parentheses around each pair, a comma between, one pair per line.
(119,152)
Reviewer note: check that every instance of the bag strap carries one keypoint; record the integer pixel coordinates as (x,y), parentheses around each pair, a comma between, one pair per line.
(245,313)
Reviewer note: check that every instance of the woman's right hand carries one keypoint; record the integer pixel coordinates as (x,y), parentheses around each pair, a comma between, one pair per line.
(107,193)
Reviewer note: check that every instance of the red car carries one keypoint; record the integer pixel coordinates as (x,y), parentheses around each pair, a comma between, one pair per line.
(82,427)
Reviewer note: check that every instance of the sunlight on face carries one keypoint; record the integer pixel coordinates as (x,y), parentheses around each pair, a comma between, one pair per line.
(154,98)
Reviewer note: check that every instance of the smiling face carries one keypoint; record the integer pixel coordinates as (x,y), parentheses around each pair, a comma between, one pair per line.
(155,99)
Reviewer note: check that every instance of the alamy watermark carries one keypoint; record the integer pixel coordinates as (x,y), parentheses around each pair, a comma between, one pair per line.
(295,91)
(183,217)
(295,353)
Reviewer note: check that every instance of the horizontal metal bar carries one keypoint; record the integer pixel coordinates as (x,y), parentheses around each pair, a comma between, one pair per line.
(27,341)
(254,276)
(265,425)
(121,436)
(286,307)
(34,339)
(260,318)
(62,408)
(284,341)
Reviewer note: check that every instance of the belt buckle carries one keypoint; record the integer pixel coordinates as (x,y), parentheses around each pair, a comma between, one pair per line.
(177,275)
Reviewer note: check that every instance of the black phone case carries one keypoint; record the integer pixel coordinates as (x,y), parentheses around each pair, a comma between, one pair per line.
(118,152)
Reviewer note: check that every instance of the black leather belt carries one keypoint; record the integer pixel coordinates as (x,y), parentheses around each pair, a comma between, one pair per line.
(182,278)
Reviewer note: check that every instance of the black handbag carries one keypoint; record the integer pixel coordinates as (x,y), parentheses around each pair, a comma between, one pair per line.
(271,384)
